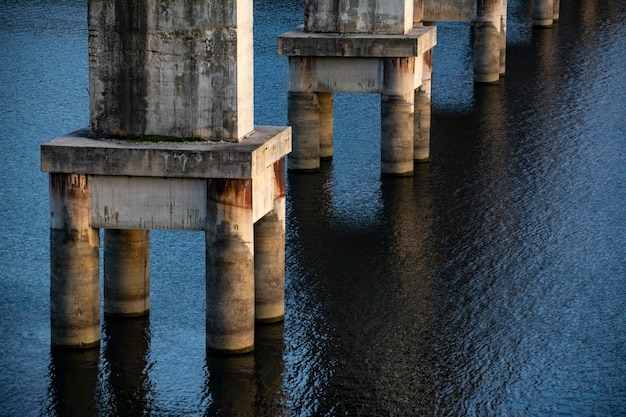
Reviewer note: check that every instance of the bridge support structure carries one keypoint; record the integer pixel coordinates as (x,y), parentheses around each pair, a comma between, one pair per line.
(359,47)
(545,12)
(171,146)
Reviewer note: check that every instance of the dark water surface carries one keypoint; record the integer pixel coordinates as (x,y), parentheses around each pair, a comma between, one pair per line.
(492,283)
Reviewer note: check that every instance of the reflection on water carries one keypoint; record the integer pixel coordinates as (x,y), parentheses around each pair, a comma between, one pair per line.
(73,383)
(251,384)
(491,283)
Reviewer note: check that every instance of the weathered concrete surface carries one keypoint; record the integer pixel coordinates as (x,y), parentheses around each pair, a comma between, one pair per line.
(74,264)
(359,16)
(269,254)
(489,30)
(171,67)
(444,10)
(321,64)
(77,153)
(230,266)
(422,112)
(148,203)
(397,119)
(544,12)
(300,43)
(126,272)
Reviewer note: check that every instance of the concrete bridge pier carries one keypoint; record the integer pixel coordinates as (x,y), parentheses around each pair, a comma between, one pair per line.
(74,264)
(269,256)
(126,272)
(489,41)
(545,12)
(171,145)
(359,46)
(422,115)
(230,266)
(325,101)
(397,117)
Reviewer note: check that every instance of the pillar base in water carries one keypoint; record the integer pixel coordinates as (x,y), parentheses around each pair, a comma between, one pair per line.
(321,64)
(126,272)
(221,188)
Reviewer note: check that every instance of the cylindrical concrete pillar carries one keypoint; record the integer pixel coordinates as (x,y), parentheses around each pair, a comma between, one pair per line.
(397,118)
(557,13)
(303,115)
(487,41)
(126,272)
(543,13)
(503,38)
(74,264)
(421,145)
(230,266)
(326,124)
(269,256)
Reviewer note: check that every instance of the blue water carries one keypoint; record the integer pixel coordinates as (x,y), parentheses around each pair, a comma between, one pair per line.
(492,283)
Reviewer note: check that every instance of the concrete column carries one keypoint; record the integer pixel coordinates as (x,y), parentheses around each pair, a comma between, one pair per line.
(303,115)
(503,38)
(421,150)
(171,68)
(126,272)
(557,6)
(326,124)
(487,41)
(418,12)
(543,13)
(269,256)
(74,264)
(230,266)
(397,118)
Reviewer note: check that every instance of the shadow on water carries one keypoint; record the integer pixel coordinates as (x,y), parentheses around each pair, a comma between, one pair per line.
(362,342)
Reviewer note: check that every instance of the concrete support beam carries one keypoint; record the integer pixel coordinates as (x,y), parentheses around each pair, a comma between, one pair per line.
(126,272)
(230,267)
(74,264)
(397,119)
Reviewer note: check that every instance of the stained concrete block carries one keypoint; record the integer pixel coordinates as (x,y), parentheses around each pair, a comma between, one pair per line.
(174,68)
(300,43)
(359,16)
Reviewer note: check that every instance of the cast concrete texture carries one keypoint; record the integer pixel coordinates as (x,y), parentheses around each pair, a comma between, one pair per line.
(171,67)
(364,45)
(77,152)
(359,16)
(444,10)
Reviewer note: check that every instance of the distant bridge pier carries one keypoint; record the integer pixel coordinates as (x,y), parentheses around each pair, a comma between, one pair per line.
(489,18)
(489,41)
(545,12)
(171,146)
(359,47)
